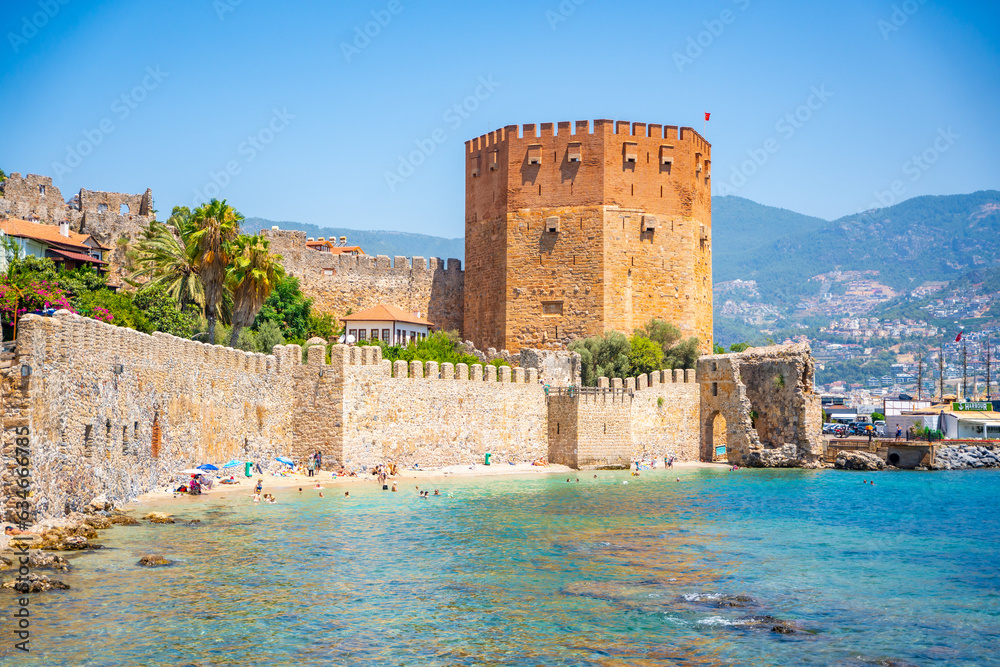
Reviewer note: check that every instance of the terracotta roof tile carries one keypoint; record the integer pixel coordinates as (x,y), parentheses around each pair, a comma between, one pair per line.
(384,313)
(42,232)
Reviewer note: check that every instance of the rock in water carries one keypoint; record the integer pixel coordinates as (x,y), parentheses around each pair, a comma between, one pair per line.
(38,560)
(159,517)
(35,583)
(858,461)
(152,560)
(766,622)
(123,520)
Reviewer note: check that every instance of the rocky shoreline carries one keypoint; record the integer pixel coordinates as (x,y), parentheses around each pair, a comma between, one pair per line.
(23,555)
(959,457)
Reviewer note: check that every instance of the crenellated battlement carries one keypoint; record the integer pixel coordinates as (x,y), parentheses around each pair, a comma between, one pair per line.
(581,128)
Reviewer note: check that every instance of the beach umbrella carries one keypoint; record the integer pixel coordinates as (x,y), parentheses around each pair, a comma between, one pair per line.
(207,466)
(284,459)
(233,464)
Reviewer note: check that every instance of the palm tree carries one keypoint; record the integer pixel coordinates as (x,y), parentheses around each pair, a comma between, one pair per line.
(253,273)
(167,256)
(218,225)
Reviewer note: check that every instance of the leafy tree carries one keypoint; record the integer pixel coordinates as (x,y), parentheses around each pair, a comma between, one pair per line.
(603,356)
(218,225)
(114,307)
(440,346)
(168,256)
(677,353)
(287,307)
(162,311)
(645,356)
(323,325)
(268,335)
(83,279)
(739,347)
(3,176)
(662,332)
(682,355)
(878,416)
(253,275)
(718,349)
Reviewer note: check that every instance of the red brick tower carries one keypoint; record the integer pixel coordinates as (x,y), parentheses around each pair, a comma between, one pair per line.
(572,234)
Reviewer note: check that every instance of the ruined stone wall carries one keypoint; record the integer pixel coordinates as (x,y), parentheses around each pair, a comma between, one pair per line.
(766,395)
(620,421)
(116,412)
(632,204)
(337,283)
(113,219)
(32,197)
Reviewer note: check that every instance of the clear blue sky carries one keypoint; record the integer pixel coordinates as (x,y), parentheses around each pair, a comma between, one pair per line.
(890,88)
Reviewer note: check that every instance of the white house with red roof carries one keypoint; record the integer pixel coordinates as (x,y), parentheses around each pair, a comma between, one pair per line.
(63,246)
(386,323)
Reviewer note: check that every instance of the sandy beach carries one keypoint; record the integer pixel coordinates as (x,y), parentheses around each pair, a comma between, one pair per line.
(327,479)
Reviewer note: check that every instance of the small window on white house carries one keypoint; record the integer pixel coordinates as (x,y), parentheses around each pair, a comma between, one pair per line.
(362,334)
(353,333)
(374,334)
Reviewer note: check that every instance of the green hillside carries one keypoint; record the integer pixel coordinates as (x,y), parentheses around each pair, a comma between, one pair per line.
(741,227)
(920,239)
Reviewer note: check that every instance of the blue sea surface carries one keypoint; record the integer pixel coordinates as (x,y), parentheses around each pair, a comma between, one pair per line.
(538,571)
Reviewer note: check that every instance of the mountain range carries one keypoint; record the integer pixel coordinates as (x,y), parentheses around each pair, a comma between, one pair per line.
(901,247)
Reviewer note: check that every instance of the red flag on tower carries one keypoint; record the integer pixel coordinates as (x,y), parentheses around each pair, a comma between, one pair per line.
(959,336)
(707,114)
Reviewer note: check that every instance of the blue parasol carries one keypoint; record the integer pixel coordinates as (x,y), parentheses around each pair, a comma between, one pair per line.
(207,466)
(284,459)
(233,464)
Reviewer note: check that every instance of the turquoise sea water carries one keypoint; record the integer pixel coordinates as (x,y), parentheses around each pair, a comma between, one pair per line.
(535,571)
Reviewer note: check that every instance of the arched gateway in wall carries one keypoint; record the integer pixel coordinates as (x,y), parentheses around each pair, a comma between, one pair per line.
(758,408)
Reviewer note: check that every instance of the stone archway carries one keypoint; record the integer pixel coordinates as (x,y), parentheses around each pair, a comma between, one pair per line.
(714,436)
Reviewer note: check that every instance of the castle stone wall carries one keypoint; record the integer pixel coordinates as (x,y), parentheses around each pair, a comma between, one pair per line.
(611,426)
(337,283)
(115,412)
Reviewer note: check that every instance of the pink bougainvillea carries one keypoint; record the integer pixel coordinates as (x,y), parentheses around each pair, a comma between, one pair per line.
(16,300)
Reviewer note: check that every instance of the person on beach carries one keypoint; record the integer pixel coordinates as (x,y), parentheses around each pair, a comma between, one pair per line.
(436,492)
(670,462)
(899,432)
(394,487)
(347,494)
(311,466)
(11,530)
(319,460)
(300,489)
(256,497)
(260,486)
(320,494)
